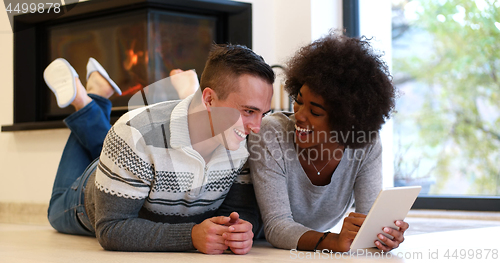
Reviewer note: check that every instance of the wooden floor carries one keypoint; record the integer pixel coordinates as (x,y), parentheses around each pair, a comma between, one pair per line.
(40,243)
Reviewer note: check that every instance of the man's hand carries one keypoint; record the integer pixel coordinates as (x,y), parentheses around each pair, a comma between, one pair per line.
(239,238)
(207,236)
(398,236)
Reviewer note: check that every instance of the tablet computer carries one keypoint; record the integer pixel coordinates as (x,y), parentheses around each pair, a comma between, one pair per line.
(391,204)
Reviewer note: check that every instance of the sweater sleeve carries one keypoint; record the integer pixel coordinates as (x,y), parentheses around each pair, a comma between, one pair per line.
(123,181)
(241,199)
(119,228)
(267,168)
(368,182)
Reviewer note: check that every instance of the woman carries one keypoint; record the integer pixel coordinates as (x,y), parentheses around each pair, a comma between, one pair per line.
(309,167)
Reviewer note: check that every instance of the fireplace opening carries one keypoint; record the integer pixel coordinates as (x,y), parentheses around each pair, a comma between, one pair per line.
(138,42)
(136,49)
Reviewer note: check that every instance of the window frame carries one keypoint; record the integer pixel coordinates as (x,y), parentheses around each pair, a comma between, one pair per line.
(351,24)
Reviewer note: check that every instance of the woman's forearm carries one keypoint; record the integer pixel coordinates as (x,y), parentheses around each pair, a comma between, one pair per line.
(310,239)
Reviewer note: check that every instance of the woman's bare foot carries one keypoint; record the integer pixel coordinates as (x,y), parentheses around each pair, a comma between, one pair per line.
(98,85)
(184,82)
(175,71)
(81,98)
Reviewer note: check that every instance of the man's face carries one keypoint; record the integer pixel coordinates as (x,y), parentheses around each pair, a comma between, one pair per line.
(252,100)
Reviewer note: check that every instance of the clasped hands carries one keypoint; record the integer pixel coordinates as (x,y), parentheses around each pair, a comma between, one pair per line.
(215,235)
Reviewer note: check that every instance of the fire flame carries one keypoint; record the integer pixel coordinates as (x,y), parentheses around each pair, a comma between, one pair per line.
(132,90)
(132,57)
(131,60)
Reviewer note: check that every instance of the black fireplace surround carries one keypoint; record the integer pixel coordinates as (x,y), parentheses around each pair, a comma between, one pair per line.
(137,41)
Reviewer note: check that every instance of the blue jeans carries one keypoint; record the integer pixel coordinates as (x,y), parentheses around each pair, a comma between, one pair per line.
(89,127)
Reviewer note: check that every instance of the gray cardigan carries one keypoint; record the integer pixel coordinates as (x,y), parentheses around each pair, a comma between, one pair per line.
(290,204)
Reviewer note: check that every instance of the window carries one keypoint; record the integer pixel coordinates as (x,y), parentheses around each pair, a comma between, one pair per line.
(446,135)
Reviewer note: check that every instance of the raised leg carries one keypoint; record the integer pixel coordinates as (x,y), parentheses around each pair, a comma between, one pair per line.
(89,126)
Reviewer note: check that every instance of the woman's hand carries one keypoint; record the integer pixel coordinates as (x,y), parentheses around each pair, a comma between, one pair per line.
(398,236)
(350,228)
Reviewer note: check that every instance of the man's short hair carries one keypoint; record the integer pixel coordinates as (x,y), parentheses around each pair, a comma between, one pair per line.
(226,63)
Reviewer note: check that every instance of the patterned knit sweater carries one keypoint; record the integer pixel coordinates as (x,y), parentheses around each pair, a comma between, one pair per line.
(151,187)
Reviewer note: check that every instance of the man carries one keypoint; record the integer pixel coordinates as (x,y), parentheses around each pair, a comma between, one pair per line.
(164,179)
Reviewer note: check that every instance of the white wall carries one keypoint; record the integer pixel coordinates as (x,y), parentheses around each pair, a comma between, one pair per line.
(29,159)
(375,21)
(280,27)
(325,15)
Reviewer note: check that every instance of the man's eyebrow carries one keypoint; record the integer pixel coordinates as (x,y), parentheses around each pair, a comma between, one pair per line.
(251,108)
(318,105)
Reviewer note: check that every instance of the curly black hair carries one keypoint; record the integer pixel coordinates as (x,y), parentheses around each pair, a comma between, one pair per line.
(354,82)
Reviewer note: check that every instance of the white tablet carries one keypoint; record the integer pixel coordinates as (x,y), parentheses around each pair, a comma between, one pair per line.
(391,204)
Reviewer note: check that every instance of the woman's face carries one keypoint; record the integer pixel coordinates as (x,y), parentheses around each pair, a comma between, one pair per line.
(311,126)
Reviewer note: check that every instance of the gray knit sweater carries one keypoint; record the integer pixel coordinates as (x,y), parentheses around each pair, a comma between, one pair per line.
(151,187)
(290,204)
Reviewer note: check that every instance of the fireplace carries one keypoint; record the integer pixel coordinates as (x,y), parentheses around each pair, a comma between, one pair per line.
(137,41)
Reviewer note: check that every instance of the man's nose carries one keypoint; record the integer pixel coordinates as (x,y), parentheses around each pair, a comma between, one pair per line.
(254,125)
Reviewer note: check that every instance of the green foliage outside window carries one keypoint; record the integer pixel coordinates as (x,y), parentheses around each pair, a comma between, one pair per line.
(453,134)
